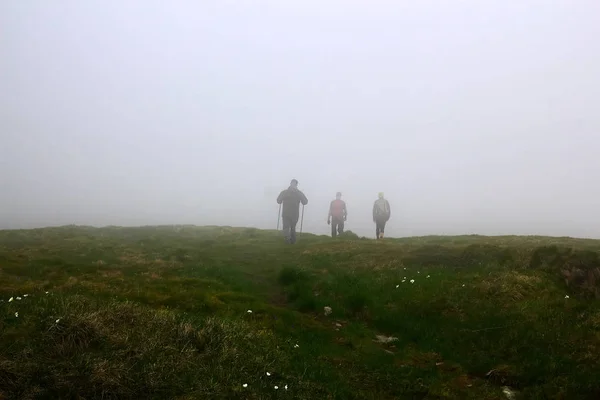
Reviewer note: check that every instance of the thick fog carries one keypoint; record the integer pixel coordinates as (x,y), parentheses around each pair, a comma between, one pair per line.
(471,116)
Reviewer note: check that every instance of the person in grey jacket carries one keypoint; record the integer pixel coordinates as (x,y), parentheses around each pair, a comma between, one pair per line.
(290,200)
(381,215)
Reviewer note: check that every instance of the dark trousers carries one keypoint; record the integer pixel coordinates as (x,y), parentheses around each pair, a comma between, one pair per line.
(379,226)
(289,228)
(337,226)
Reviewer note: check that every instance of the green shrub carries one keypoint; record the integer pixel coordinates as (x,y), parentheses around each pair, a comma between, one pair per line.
(290,275)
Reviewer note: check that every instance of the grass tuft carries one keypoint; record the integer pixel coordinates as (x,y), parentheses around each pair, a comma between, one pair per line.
(291,275)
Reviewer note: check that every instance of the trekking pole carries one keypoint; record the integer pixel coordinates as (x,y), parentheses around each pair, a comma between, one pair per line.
(278,216)
(302,220)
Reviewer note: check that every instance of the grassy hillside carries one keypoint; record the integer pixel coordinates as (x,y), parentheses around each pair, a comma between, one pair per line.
(215,312)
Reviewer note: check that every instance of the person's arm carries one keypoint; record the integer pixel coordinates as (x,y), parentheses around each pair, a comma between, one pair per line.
(329,214)
(280,197)
(345,212)
(374,209)
(389,209)
(303,199)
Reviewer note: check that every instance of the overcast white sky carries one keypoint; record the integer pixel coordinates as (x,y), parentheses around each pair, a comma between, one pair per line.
(472,116)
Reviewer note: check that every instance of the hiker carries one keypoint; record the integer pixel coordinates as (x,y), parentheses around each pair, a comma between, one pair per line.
(337,215)
(381,215)
(290,200)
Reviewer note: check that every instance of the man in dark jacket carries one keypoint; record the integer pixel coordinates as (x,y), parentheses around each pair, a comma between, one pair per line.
(337,212)
(290,200)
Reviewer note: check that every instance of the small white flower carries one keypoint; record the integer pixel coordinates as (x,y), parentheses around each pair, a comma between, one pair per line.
(397,286)
(25,295)
(296,346)
(566,296)
(285,387)
(268,374)
(276,387)
(418,272)
(58,320)
(249,311)
(463,285)
(404,278)
(404,268)
(245,385)
(11,299)
(508,392)
(428,276)
(17,314)
(47,292)
(18,298)
(404,281)
(412,281)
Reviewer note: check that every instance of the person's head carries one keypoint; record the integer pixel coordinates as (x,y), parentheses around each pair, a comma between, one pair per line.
(381,195)
(294,183)
(338,195)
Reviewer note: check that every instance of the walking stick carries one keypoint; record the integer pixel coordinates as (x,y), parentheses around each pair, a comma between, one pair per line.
(302,220)
(278,216)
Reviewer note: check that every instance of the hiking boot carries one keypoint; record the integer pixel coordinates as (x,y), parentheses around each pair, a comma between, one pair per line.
(381,235)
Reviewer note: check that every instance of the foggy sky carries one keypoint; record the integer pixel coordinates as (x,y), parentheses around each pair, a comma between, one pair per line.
(471,116)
